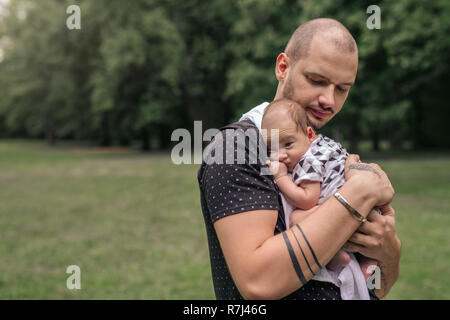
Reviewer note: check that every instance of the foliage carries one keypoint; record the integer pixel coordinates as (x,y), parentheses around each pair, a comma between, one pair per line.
(138,70)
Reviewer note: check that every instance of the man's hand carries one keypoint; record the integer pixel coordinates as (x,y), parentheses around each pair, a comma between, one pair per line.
(372,178)
(377,239)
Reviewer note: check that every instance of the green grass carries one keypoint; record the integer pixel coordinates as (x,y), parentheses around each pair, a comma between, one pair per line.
(132,222)
(422,204)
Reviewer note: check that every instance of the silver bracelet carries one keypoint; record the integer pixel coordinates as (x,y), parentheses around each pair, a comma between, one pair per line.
(349,207)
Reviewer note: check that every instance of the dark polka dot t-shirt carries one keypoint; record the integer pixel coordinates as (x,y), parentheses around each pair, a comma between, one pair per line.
(228,188)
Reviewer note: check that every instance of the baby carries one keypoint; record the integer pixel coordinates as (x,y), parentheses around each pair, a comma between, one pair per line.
(308,168)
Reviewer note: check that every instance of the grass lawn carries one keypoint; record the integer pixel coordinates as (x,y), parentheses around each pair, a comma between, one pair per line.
(132,222)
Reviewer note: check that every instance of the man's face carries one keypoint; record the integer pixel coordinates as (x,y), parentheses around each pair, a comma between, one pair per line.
(321,81)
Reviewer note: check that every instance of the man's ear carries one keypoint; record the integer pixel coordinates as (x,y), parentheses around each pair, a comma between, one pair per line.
(310,134)
(282,66)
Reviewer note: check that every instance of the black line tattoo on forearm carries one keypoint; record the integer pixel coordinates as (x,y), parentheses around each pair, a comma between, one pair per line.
(297,268)
(309,246)
(303,254)
(363,167)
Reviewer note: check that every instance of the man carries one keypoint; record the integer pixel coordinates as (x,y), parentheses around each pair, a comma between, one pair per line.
(252,254)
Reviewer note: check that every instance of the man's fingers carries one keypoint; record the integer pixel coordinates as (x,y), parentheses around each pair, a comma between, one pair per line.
(361,239)
(374,216)
(355,157)
(355,248)
(352,158)
(374,226)
(387,210)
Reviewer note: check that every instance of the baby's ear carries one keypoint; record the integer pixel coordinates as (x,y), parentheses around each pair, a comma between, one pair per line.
(310,133)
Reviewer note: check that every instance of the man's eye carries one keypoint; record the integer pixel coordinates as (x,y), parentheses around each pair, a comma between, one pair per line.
(343,90)
(317,82)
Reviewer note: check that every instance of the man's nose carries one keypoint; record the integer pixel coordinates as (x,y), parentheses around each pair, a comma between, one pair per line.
(326,99)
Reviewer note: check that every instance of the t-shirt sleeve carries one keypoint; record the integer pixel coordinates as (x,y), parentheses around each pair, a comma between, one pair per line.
(236,188)
(308,168)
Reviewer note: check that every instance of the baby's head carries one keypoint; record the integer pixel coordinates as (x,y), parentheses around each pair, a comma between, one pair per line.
(295,136)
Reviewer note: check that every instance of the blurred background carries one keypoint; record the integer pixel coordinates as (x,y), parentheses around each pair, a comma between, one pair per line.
(86,118)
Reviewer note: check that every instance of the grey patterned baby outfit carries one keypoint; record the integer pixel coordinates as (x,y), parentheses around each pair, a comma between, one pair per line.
(324,162)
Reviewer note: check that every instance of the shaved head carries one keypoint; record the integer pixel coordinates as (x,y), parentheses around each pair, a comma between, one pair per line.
(335,32)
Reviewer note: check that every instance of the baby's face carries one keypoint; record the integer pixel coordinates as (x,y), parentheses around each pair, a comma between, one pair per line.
(293,142)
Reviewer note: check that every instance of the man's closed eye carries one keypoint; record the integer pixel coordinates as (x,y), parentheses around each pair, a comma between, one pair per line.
(317,82)
(342,90)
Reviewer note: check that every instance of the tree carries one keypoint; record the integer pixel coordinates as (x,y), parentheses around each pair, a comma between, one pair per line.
(139,73)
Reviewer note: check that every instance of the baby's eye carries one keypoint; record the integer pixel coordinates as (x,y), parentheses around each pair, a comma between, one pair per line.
(288,144)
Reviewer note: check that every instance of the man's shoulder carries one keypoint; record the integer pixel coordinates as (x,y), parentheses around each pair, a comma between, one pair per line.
(243,124)
(234,129)
(238,143)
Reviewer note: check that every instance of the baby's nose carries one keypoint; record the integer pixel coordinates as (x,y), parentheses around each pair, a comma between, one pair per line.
(282,156)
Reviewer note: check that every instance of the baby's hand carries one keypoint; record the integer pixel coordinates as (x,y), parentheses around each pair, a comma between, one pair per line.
(278,169)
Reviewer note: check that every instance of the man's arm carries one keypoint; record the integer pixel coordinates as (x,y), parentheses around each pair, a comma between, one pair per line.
(375,238)
(298,215)
(265,266)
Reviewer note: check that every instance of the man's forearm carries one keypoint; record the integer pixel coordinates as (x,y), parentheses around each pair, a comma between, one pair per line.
(262,265)
(287,261)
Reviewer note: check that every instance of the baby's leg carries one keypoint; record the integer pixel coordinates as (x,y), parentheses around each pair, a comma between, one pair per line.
(340,260)
(366,266)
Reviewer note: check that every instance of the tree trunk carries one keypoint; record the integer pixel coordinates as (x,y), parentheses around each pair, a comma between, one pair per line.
(164,137)
(354,145)
(49,130)
(49,136)
(375,140)
(105,135)
(355,136)
(145,139)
